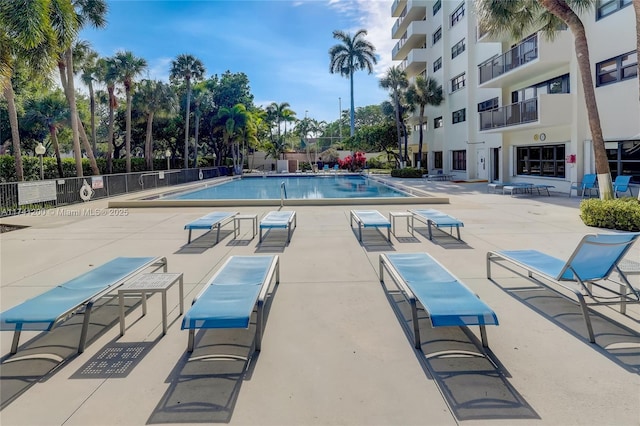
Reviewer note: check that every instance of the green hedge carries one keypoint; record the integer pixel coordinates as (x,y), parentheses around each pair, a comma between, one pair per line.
(408,172)
(622,214)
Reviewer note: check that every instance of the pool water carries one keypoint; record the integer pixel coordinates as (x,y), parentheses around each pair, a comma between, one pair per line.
(296,187)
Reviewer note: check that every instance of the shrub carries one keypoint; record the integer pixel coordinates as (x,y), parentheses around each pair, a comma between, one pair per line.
(408,172)
(621,213)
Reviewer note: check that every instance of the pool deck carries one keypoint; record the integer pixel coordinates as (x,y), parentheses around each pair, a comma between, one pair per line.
(337,349)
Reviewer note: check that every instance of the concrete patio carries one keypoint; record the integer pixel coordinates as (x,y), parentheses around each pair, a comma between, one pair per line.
(337,348)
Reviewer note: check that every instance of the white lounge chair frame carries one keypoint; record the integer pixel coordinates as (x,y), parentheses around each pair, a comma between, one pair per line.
(203,223)
(381,222)
(461,319)
(570,276)
(438,219)
(85,307)
(273,271)
(289,222)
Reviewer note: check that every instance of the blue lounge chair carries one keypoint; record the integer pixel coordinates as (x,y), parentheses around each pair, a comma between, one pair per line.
(282,219)
(446,300)
(209,222)
(594,259)
(621,184)
(588,185)
(47,310)
(370,219)
(228,299)
(432,217)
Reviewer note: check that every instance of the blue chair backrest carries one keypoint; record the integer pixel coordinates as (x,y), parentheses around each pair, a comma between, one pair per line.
(589,180)
(596,255)
(621,183)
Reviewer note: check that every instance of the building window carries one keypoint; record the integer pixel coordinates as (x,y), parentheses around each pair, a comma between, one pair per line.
(616,69)
(437,35)
(437,159)
(457,49)
(458,82)
(459,160)
(624,159)
(554,85)
(457,15)
(436,7)
(607,7)
(437,64)
(437,122)
(488,105)
(459,116)
(547,160)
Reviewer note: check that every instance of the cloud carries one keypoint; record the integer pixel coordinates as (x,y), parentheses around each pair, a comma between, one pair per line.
(375,17)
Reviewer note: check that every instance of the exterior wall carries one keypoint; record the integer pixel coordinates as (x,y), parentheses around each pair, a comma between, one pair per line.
(561,118)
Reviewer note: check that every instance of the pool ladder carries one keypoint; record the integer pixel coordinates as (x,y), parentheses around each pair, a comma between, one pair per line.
(283,193)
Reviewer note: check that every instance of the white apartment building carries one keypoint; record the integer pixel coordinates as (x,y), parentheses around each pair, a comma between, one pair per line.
(514,110)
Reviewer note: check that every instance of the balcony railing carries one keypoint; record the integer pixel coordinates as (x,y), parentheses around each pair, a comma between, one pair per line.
(519,55)
(510,115)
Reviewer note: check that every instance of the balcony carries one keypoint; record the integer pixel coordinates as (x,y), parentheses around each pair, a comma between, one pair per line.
(544,111)
(397,6)
(413,11)
(528,59)
(415,37)
(416,62)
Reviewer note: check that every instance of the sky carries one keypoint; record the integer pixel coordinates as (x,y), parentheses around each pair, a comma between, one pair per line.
(281,45)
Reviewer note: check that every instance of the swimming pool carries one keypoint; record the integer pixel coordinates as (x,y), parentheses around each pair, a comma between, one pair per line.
(293,187)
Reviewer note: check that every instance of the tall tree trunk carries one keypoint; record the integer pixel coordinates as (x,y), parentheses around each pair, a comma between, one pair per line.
(397,108)
(127,138)
(15,134)
(186,126)
(53,132)
(112,105)
(564,12)
(87,148)
(92,106)
(352,114)
(148,143)
(196,134)
(73,110)
(420,122)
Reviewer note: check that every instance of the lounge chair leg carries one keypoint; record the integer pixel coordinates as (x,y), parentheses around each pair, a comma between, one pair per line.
(16,339)
(259,323)
(189,239)
(85,327)
(483,336)
(587,319)
(190,343)
(416,326)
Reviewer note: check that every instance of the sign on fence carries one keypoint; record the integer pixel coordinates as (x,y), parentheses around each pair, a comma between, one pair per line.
(36,192)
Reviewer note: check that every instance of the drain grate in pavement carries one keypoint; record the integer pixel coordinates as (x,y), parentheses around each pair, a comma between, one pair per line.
(115,360)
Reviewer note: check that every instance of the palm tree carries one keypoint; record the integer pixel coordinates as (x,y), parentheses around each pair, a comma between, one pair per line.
(107,73)
(517,17)
(187,67)
(94,13)
(424,91)
(396,80)
(88,67)
(202,99)
(52,111)
(352,54)
(233,122)
(32,34)
(153,97)
(129,67)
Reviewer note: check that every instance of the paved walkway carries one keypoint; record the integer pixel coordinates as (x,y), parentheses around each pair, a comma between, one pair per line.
(337,348)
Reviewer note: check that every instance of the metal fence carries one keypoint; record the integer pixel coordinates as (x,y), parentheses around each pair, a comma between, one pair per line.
(24,197)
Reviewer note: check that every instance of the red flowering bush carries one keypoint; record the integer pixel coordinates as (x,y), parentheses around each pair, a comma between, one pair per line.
(349,162)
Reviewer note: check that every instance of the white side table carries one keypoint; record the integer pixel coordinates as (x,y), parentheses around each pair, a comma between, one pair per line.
(394,215)
(240,217)
(151,283)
